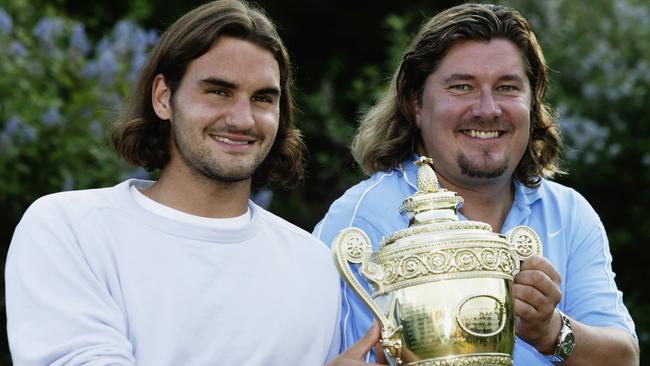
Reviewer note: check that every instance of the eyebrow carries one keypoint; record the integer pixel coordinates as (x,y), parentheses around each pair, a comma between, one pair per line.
(512,77)
(214,81)
(468,77)
(458,77)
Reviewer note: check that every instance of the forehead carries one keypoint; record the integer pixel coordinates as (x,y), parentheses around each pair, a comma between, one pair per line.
(237,61)
(494,58)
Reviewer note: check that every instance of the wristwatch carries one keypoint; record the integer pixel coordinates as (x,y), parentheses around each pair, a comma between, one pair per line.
(566,342)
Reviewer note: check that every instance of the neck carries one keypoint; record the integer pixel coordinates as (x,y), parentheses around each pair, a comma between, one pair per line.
(198,195)
(489,203)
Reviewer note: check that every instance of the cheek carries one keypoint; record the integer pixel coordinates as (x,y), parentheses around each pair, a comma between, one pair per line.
(268,121)
(195,115)
(523,108)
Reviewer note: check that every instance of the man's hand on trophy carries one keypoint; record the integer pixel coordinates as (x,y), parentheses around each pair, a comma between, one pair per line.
(537,293)
(355,355)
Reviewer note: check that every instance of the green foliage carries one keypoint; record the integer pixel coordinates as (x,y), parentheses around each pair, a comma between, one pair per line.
(329,128)
(59,94)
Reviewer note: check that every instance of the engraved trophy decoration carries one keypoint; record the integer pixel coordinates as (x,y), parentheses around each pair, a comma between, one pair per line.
(441,288)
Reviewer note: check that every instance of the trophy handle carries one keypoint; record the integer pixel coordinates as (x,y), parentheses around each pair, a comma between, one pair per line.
(352,245)
(524,243)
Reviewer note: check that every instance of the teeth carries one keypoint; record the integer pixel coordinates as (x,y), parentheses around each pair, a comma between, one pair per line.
(482,134)
(229,141)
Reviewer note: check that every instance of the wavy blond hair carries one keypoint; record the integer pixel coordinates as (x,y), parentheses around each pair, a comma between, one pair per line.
(388,133)
(142,138)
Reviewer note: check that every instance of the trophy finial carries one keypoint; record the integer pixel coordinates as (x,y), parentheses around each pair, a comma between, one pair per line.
(427,180)
(430,203)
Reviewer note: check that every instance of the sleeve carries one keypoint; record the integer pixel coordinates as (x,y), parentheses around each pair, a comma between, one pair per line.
(591,295)
(335,346)
(58,311)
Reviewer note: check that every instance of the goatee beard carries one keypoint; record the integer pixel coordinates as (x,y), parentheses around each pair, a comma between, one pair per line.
(484,172)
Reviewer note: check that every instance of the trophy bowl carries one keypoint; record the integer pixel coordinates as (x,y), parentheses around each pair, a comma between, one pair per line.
(441,288)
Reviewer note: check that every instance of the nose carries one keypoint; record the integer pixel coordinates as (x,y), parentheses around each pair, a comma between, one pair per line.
(240,115)
(487,107)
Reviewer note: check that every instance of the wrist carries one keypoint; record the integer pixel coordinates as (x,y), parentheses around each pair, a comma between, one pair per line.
(565,342)
(547,344)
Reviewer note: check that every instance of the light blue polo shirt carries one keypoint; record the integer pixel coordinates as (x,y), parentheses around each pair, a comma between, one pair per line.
(573,237)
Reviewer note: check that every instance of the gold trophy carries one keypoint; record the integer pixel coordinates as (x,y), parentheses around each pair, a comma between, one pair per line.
(441,288)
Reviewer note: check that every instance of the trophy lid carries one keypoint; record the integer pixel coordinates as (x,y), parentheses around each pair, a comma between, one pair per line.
(433,209)
(430,204)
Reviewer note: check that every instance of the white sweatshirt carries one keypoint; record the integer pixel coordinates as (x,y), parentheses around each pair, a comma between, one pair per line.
(93,278)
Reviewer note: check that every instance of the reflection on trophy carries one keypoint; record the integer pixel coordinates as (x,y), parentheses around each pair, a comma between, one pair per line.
(441,288)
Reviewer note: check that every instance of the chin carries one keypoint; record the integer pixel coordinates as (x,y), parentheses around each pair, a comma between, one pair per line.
(486,171)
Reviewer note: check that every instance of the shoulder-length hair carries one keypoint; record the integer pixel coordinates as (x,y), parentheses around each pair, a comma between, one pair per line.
(142,138)
(388,133)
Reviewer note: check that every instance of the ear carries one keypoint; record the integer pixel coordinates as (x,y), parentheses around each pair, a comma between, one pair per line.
(160,98)
(417,111)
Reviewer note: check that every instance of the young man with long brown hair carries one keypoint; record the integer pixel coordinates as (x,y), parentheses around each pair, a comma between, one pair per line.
(185,270)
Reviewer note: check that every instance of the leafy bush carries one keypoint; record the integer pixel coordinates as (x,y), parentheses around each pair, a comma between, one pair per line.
(59,91)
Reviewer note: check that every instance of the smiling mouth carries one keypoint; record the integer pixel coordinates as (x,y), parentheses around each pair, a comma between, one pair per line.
(483,135)
(228,141)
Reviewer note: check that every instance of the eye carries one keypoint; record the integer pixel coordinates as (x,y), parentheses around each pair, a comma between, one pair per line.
(507,88)
(262,99)
(222,92)
(460,87)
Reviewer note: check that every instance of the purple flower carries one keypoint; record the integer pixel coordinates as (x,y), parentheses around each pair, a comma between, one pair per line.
(17,49)
(6,24)
(139,41)
(51,117)
(107,65)
(122,34)
(90,70)
(103,45)
(48,28)
(29,134)
(12,126)
(137,62)
(152,37)
(111,100)
(78,39)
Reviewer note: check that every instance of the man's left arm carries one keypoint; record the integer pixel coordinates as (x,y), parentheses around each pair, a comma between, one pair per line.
(537,293)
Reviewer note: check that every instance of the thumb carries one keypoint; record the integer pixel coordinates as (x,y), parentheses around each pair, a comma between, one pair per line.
(363,345)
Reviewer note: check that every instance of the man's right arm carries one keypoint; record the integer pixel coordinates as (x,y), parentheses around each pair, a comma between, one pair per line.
(58,309)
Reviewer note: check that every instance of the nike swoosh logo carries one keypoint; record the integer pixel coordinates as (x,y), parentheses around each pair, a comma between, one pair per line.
(550,235)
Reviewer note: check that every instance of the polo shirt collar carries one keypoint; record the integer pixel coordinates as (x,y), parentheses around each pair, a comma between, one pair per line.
(521,207)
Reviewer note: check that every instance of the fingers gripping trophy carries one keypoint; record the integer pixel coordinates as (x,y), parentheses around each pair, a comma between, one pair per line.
(441,288)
